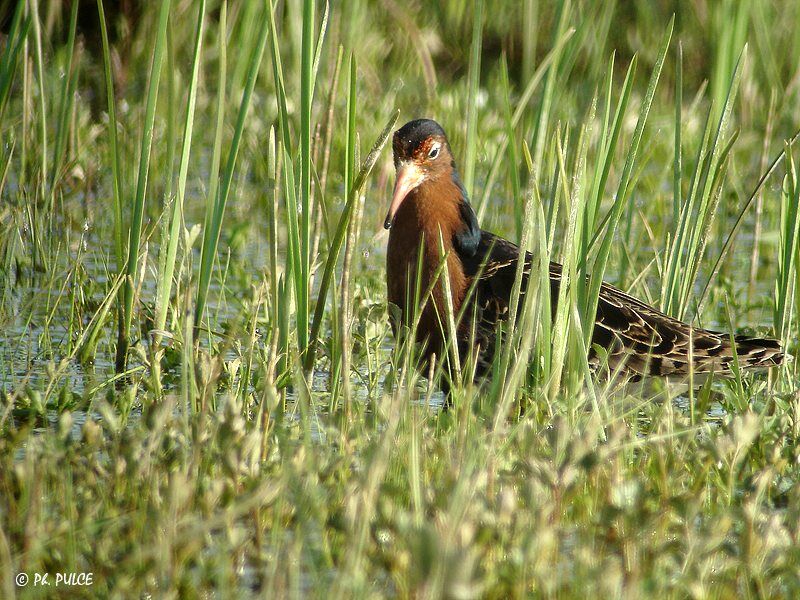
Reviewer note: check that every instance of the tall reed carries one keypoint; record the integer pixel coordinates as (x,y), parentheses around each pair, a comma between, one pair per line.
(137,204)
(688,240)
(17,33)
(67,93)
(217,203)
(170,249)
(785,317)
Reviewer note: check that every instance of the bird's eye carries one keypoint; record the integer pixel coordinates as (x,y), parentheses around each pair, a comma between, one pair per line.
(434,152)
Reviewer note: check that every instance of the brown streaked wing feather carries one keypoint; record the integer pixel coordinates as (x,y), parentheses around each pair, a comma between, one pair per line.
(637,338)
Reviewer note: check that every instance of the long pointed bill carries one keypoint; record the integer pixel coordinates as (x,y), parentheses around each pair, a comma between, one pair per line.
(409,176)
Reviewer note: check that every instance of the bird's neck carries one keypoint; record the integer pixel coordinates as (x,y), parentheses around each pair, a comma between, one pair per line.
(435,220)
(438,208)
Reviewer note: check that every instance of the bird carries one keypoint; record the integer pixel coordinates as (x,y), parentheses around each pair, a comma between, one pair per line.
(431,221)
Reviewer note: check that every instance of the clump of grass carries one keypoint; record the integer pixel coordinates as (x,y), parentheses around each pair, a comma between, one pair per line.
(170,249)
(688,241)
(787,262)
(131,265)
(216,211)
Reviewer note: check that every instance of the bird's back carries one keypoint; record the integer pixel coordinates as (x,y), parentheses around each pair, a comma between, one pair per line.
(637,339)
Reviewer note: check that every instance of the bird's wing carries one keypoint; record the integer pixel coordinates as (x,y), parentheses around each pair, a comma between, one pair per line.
(640,338)
(491,270)
(637,338)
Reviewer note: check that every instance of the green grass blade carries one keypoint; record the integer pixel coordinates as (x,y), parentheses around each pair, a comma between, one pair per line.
(697,214)
(62,123)
(302,278)
(165,283)
(15,41)
(473,83)
(116,183)
(137,208)
(211,240)
(623,190)
(338,239)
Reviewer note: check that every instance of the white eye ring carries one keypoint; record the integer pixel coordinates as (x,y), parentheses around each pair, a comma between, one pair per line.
(434,152)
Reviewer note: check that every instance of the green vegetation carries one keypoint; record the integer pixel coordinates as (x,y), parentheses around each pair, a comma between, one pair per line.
(200,392)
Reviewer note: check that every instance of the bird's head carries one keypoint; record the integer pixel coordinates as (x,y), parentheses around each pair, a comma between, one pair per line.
(421,154)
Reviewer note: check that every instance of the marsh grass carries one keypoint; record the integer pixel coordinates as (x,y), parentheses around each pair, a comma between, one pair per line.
(131,265)
(200,389)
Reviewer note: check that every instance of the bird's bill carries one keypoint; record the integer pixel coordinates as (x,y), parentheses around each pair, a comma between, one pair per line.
(409,176)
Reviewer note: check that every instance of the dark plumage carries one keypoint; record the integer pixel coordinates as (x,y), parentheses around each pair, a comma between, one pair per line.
(429,201)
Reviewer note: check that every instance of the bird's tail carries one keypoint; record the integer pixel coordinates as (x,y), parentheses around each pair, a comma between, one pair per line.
(712,351)
(757,353)
(680,350)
